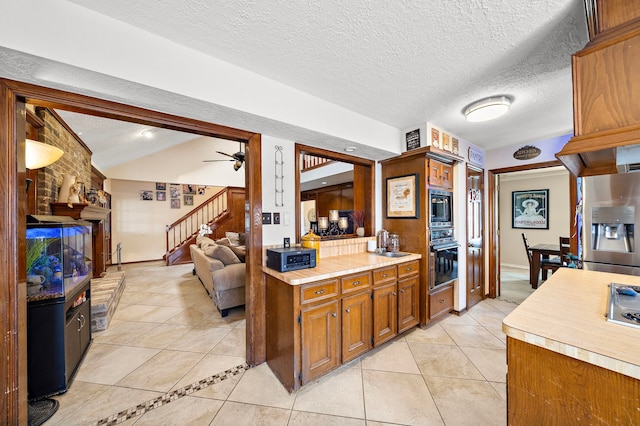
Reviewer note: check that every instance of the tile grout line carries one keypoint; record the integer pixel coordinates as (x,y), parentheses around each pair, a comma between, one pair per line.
(168,397)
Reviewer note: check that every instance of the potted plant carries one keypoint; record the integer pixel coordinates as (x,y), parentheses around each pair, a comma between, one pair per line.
(357,216)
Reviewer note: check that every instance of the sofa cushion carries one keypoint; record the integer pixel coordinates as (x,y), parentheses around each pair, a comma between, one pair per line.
(222,253)
(223,242)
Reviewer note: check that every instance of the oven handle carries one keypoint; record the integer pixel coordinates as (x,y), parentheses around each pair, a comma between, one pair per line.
(444,246)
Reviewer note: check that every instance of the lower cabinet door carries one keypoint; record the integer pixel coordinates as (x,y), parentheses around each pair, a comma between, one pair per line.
(356,325)
(408,297)
(440,301)
(320,344)
(385,308)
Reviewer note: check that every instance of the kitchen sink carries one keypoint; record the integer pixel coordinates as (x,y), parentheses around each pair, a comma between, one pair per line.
(393,254)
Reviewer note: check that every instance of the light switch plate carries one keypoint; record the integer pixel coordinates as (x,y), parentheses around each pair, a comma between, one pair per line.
(266,218)
(276,218)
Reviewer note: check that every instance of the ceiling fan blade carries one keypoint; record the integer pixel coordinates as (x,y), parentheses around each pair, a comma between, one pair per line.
(224,153)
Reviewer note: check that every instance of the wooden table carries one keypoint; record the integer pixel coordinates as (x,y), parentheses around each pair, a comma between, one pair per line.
(539,252)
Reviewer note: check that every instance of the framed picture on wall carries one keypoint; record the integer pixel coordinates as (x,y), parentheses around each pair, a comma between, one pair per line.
(161,186)
(175,203)
(188,200)
(402,197)
(174,191)
(530,209)
(146,195)
(161,196)
(188,189)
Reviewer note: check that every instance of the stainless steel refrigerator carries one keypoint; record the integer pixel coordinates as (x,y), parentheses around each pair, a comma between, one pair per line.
(610,212)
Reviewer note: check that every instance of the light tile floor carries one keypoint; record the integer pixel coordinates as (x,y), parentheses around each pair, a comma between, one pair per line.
(166,335)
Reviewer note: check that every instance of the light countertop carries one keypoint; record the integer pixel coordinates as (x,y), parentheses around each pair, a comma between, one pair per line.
(335,266)
(567,315)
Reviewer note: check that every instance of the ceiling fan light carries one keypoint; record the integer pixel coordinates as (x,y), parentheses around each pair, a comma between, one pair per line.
(237,165)
(487,108)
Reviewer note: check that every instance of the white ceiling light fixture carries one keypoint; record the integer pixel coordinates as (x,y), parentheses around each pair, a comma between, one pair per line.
(350,149)
(487,108)
(148,134)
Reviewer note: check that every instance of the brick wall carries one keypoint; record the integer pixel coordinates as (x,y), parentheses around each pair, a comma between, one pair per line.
(76,160)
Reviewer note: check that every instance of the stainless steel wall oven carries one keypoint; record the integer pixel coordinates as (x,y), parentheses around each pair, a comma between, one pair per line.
(443,257)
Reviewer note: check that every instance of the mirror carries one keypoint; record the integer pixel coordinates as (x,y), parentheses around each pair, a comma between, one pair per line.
(329,187)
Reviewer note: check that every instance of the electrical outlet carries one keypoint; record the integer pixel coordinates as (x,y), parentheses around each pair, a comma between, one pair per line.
(266,218)
(276,218)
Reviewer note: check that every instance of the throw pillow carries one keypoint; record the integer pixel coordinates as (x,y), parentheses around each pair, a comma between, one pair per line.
(234,238)
(223,253)
(223,242)
(204,242)
(242,239)
(240,251)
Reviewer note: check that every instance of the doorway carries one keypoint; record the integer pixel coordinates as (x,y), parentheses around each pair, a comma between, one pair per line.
(13,96)
(496,203)
(475,240)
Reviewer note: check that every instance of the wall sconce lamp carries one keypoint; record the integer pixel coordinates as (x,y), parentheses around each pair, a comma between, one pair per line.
(38,155)
(487,108)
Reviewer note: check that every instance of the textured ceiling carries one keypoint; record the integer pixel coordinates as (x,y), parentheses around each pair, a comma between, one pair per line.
(399,62)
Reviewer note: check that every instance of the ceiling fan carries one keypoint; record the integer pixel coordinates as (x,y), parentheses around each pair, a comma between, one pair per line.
(238,157)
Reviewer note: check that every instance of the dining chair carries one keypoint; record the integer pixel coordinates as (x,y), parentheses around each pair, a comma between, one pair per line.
(565,249)
(546,265)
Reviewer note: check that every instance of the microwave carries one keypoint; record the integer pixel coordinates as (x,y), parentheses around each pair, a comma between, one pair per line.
(440,208)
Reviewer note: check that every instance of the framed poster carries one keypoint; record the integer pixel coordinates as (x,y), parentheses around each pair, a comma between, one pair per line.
(161,195)
(161,186)
(174,191)
(188,200)
(530,209)
(175,203)
(402,197)
(146,195)
(413,139)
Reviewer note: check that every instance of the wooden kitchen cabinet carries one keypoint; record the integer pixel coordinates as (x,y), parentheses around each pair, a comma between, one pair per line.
(441,300)
(319,335)
(440,174)
(313,328)
(356,325)
(408,298)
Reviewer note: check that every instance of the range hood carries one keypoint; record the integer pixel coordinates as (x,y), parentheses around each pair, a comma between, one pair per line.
(628,159)
(603,153)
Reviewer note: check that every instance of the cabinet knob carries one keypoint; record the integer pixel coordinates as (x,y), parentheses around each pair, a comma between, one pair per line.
(321,291)
(355,283)
(334,314)
(395,294)
(402,291)
(442,301)
(348,310)
(384,275)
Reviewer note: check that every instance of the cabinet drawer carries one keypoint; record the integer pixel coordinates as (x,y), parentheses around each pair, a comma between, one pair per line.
(384,275)
(440,301)
(318,291)
(355,282)
(408,268)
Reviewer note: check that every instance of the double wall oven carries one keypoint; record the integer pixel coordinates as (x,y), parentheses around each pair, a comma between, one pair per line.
(443,255)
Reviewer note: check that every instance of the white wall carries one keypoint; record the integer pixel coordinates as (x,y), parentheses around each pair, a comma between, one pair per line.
(274,234)
(503,157)
(140,225)
(556,180)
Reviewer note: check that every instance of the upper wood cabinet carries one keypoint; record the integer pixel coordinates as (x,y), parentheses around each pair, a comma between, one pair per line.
(606,77)
(440,174)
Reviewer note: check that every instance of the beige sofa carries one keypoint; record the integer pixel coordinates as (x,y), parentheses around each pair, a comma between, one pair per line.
(221,270)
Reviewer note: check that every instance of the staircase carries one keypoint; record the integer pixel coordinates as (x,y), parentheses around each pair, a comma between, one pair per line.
(223,212)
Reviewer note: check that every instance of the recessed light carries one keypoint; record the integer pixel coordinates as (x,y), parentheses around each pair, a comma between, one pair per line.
(487,108)
(324,183)
(350,148)
(147,134)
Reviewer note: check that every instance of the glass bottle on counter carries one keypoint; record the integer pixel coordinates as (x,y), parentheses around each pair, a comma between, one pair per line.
(394,243)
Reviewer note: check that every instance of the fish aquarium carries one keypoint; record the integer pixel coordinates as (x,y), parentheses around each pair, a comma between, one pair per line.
(58,256)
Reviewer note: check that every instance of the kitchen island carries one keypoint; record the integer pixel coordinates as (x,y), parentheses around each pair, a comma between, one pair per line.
(320,318)
(566,363)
